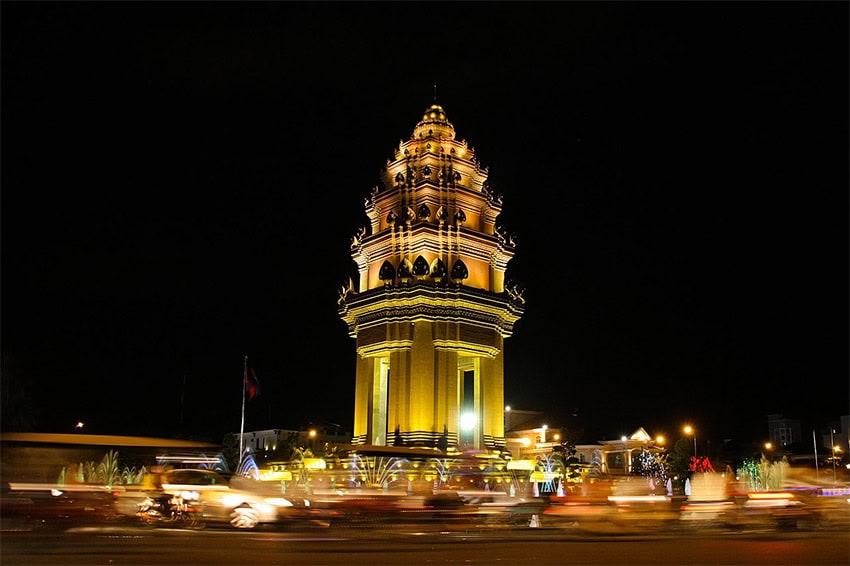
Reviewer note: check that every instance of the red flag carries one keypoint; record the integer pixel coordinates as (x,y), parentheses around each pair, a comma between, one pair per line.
(252,383)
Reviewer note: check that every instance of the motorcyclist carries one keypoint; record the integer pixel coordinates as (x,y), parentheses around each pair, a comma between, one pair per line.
(152,486)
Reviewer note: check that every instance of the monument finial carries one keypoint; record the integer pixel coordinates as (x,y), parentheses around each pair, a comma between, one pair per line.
(435,94)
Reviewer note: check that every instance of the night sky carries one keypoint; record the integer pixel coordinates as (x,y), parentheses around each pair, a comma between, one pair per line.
(180,183)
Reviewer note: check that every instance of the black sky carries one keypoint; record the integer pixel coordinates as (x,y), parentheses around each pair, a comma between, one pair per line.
(180,183)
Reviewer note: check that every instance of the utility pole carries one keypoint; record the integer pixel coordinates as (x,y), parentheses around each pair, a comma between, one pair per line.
(242,426)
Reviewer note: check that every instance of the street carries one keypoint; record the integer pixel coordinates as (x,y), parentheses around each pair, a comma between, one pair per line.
(409,545)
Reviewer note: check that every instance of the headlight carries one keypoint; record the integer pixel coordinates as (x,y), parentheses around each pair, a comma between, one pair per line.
(232,500)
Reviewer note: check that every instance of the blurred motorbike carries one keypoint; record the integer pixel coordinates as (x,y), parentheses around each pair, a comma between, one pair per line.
(180,510)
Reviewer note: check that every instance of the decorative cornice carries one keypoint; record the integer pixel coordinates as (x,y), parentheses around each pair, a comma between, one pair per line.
(427,237)
(427,301)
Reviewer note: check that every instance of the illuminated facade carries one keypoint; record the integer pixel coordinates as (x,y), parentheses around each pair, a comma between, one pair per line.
(432,308)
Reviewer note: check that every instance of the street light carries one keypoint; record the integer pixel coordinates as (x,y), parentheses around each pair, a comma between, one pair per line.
(692,431)
(832,443)
(768,448)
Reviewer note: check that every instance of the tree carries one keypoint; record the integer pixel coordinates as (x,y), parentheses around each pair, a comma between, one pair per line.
(679,460)
(565,452)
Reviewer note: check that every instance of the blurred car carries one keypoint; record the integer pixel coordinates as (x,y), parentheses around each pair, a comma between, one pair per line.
(497,507)
(578,510)
(241,502)
(763,510)
(776,509)
(52,505)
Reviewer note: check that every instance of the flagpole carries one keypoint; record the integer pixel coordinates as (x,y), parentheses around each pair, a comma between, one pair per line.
(815,444)
(182,397)
(242,427)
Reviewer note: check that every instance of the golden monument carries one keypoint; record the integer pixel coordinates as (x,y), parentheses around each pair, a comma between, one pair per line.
(432,307)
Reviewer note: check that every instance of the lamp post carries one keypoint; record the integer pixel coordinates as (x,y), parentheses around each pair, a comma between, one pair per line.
(832,444)
(692,431)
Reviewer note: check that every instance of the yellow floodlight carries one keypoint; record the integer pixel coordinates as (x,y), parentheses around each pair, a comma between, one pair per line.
(314,464)
(271,475)
(543,476)
(525,465)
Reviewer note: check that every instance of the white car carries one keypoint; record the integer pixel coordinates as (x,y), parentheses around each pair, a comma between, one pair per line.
(243,503)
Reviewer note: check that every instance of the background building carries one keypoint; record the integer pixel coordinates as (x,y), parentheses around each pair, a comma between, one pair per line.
(783,431)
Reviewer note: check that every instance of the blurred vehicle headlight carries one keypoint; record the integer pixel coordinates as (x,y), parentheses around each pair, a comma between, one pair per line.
(232,500)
